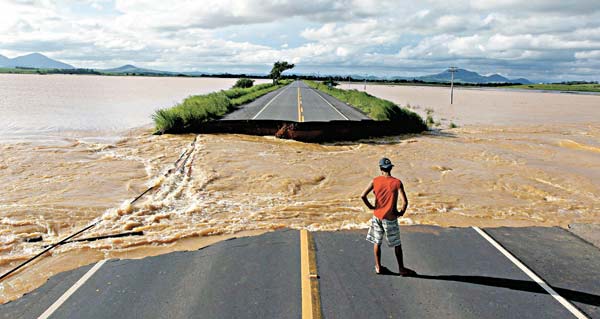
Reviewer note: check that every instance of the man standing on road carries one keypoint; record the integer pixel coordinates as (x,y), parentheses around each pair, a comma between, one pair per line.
(385,219)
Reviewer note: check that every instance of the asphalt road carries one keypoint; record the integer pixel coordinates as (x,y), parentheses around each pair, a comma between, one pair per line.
(256,277)
(563,260)
(461,275)
(297,102)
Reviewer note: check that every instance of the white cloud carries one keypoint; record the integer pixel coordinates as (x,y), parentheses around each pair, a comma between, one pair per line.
(595,54)
(341,52)
(515,37)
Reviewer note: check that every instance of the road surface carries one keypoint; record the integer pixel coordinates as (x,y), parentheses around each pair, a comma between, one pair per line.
(461,274)
(297,102)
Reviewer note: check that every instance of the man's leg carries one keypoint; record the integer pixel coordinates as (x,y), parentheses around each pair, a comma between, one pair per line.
(401,269)
(392,230)
(377,253)
(375,236)
(399,258)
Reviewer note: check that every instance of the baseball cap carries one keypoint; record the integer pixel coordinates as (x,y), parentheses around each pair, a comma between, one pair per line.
(385,163)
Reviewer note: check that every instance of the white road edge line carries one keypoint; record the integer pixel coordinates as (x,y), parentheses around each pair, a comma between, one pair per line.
(269,103)
(71,290)
(333,107)
(576,312)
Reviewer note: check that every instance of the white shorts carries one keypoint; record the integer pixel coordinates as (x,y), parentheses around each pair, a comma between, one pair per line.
(379,227)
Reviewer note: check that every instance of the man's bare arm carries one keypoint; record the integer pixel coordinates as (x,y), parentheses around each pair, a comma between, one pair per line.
(404,200)
(365,194)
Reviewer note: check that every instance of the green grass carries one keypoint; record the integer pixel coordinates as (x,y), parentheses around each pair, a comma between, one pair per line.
(237,93)
(559,87)
(376,108)
(198,109)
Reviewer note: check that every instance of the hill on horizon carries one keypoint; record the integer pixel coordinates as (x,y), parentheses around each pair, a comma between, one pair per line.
(130,68)
(33,60)
(466,76)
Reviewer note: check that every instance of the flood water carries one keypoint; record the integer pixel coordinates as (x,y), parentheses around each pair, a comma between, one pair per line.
(516,159)
(42,108)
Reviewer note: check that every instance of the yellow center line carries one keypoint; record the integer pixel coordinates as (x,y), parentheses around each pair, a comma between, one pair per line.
(311,299)
(300,109)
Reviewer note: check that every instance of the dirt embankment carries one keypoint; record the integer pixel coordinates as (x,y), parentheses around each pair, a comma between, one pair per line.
(306,131)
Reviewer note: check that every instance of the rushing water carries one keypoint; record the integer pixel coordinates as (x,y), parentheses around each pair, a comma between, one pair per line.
(518,158)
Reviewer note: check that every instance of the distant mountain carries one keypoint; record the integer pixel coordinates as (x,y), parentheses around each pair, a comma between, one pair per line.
(33,60)
(521,80)
(365,77)
(128,68)
(132,69)
(3,60)
(465,76)
(196,73)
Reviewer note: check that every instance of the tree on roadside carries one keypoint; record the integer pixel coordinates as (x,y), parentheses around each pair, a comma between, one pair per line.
(278,68)
(243,83)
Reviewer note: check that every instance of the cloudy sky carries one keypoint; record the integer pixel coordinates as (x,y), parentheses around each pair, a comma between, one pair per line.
(537,39)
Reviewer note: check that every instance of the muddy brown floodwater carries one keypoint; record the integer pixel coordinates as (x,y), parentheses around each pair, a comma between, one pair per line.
(537,164)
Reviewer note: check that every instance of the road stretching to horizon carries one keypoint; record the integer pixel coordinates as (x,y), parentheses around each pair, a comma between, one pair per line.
(297,102)
(533,272)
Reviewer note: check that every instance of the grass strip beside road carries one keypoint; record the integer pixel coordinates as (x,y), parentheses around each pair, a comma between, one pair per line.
(202,108)
(376,108)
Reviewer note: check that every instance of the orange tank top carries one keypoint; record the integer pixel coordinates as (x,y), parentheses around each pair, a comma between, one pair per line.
(386,195)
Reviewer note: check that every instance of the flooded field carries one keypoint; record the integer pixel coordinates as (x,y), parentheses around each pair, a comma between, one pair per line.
(517,159)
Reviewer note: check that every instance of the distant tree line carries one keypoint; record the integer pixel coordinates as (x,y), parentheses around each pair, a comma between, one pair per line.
(392,81)
(576,82)
(230,75)
(338,78)
(74,71)
(59,71)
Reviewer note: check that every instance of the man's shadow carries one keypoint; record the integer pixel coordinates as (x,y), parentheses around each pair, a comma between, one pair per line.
(514,284)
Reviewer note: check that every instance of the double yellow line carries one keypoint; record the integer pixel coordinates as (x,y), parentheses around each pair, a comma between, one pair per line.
(311,299)
(300,108)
